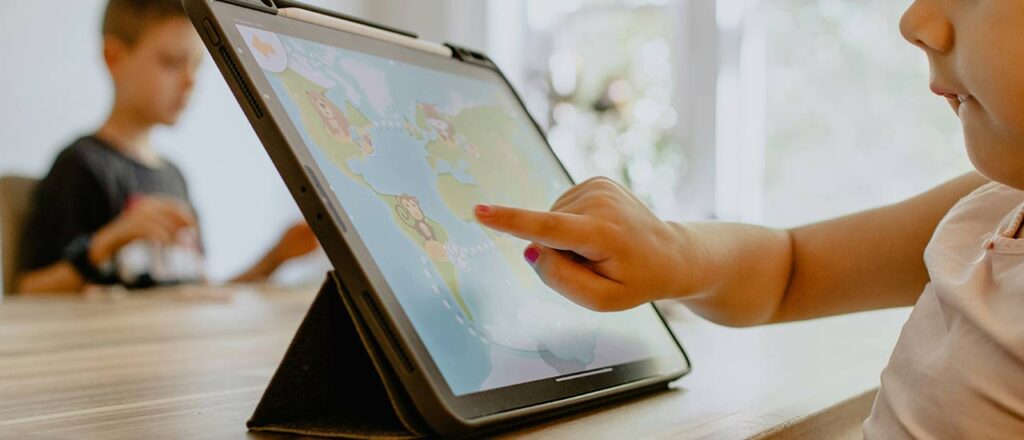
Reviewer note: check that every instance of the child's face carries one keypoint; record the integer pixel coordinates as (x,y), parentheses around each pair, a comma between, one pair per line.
(154,77)
(976,52)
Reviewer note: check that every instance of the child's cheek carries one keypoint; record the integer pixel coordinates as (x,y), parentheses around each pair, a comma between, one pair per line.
(993,65)
(1007,106)
(995,140)
(996,82)
(1008,79)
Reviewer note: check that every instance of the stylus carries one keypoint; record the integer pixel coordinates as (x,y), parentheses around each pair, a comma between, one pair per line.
(366,31)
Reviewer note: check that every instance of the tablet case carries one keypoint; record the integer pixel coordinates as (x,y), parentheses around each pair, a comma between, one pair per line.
(334,381)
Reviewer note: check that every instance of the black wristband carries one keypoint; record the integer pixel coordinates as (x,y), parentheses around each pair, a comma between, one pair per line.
(77,254)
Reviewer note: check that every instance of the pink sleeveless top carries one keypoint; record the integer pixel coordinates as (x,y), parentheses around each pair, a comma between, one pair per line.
(958,368)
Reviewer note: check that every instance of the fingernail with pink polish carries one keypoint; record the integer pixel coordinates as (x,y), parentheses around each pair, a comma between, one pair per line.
(483,210)
(531,255)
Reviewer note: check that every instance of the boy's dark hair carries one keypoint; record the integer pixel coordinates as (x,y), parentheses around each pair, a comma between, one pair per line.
(126,20)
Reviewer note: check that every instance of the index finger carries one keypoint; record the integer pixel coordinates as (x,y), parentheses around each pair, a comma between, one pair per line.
(557,230)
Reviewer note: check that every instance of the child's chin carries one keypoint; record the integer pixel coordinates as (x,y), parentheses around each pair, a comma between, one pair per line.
(994,159)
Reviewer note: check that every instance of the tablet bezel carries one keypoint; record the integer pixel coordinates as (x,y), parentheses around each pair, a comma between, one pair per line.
(442,409)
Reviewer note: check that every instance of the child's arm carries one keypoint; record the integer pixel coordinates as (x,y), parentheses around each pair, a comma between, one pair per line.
(296,241)
(622,255)
(153,218)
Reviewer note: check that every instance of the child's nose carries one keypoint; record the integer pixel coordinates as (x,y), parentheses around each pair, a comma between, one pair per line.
(925,25)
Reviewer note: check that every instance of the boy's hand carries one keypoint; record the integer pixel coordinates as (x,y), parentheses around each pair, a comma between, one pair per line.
(297,240)
(156,218)
(600,246)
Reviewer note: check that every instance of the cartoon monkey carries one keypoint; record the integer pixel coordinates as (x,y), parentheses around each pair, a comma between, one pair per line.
(410,212)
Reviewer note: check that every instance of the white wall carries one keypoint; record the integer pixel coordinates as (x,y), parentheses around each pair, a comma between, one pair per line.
(55,88)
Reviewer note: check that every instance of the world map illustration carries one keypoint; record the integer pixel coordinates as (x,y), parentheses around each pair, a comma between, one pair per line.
(409,151)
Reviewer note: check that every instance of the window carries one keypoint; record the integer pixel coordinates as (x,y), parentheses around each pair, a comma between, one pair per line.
(779,112)
(850,121)
(601,79)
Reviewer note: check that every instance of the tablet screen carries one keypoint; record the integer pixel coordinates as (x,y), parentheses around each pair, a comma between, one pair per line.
(408,150)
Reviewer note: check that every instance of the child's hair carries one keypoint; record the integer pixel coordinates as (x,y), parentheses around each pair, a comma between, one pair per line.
(126,20)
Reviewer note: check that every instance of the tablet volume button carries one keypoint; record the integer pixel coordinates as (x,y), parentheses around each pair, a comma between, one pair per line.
(211,32)
(323,196)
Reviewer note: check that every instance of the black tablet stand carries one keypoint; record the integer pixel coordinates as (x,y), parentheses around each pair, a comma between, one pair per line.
(334,381)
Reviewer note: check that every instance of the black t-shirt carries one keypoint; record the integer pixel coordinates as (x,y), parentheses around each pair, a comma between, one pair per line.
(87,187)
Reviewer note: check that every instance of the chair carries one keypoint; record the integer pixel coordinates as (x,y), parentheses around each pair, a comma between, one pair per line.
(15,200)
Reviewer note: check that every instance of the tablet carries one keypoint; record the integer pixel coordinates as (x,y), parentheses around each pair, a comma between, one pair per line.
(387,143)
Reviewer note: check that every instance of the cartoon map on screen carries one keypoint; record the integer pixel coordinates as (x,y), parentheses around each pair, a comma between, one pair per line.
(409,152)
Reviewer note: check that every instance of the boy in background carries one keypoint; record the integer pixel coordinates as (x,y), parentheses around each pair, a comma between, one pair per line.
(112,210)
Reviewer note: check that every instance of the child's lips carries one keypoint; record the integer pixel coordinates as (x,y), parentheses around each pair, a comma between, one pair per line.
(955,99)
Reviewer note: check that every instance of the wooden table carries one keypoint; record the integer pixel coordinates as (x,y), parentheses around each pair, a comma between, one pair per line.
(192,363)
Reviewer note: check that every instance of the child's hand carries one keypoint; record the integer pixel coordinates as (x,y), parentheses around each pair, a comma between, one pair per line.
(297,240)
(600,246)
(156,218)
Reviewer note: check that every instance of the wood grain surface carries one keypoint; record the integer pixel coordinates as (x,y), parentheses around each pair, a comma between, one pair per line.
(192,363)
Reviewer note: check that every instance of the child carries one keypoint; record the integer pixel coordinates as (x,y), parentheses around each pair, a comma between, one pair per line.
(958,368)
(111,210)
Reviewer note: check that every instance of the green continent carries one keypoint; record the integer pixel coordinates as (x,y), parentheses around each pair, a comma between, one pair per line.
(336,150)
(488,136)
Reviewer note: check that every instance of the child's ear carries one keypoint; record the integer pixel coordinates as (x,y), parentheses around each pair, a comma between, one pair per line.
(114,51)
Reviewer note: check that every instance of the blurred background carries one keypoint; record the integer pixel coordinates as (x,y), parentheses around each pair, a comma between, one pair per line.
(779,112)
